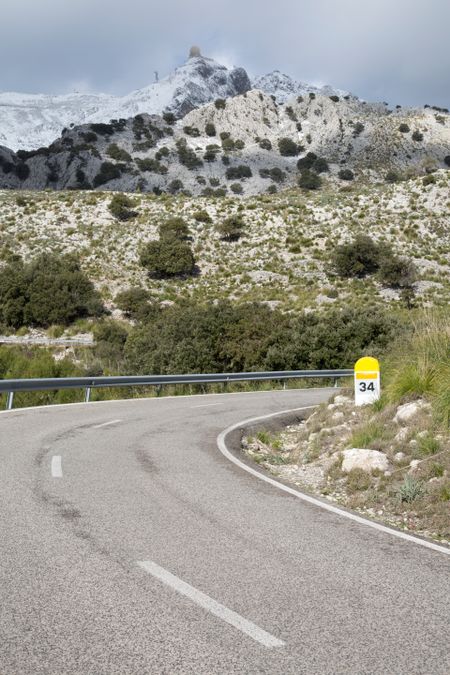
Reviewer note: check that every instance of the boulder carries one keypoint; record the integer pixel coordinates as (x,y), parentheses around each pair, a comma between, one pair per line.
(365,459)
(342,400)
(408,411)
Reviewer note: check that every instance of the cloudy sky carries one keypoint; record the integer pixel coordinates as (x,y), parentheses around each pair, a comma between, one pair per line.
(392,50)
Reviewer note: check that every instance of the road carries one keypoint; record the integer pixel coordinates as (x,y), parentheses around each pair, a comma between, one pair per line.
(130,544)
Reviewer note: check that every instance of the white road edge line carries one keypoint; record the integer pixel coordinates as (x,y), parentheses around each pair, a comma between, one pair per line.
(221,443)
(205,405)
(106,424)
(56,466)
(203,600)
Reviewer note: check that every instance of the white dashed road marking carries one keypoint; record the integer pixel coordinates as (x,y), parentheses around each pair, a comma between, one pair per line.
(206,405)
(203,600)
(56,466)
(106,424)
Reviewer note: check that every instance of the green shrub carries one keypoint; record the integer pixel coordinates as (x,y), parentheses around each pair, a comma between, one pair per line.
(357,480)
(232,228)
(135,303)
(447,160)
(396,272)
(210,129)
(191,131)
(403,128)
(237,172)
(265,144)
(174,227)
(320,165)
(152,165)
(357,258)
(202,217)
(119,154)
(228,145)
(392,176)
(334,98)
(358,129)
(428,180)
(102,129)
(121,207)
(417,136)
(169,117)
(108,172)
(187,156)
(220,103)
(236,188)
(49,290)
(287,147)
(167,257)
(346,174)
(275,174)
(211,152)
(309,180)
(307,162)
(411,489)
(175,186)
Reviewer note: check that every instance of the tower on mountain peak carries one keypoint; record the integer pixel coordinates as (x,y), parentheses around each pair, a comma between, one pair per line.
(194,51)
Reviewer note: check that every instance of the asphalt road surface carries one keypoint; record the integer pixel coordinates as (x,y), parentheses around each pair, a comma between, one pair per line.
(130,544)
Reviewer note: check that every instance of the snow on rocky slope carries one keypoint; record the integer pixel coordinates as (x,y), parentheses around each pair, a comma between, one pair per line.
(29,121)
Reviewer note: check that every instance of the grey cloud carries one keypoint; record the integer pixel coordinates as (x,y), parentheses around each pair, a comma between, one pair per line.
(394,50)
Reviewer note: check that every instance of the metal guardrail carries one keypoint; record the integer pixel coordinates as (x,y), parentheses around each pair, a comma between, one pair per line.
(10,387)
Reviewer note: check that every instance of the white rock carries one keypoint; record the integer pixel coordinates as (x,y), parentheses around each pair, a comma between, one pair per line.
(408,411)
(399,456)
(414,463)
(402,434)
(365,459)
(331,406)
(338,415)
(342,400)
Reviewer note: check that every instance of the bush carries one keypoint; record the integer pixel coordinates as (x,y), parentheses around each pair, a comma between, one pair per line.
(49,290)
(307,161)
(232,228)
(211,152)
(358,129)
(220,103)
(275,174)
(334,98)
(309,180)
(191,131)
(108,171)
(447,160)
(357,258)
(202,217)
(135,303)
(428,180)
(175,186)
(417,136)
(152,165)
(392,176)
(287,147)
(236,188)
(187,156)
(121,207)
(320,165)
(228,144)
(169,117)
(119,154)
(403,128)
(265,144)
(397,272)
(174,227)
(346,174)
(102,129)
(237,172)
(210,129)
(167,257)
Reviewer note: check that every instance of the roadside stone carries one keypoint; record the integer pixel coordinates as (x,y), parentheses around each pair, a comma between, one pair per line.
(342,400)
(408,411)
(365,459)
(399,456)
(338,416)
(401,435)
(414,463)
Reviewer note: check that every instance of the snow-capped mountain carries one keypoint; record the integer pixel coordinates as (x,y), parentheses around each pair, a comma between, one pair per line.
(284,87)
(30,121)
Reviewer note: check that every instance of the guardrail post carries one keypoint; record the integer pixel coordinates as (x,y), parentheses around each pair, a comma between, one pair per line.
(335,383)
(87,394)
(9,400)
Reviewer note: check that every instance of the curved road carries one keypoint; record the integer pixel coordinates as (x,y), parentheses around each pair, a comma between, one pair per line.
(129,544)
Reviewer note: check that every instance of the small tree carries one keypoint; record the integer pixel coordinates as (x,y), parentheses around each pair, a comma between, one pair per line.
(357,258)
(210,129)
(174,227)
(220,103)
(346,174)
(121,207)
(287,147)
(397,272)
(309,180)
(167,257)
(231,229)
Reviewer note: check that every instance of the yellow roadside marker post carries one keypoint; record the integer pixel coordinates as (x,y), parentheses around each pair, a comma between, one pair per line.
(367,381)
